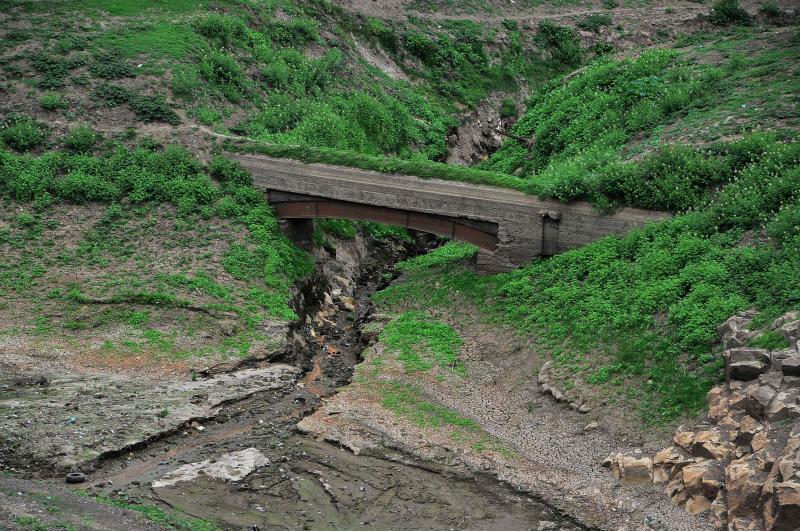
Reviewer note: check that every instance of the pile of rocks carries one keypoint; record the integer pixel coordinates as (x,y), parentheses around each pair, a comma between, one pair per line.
(742,465)
(548,386)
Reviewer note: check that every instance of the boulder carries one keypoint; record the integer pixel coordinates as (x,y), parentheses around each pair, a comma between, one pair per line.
(791,366)
(784,510)
(731,326)
(784,406)
(718,514)
(783,319)
(668,462)
(683,439)
(745,370)
(758,399)
(744,482)
(697,504)
(630,469)
(710,443)
(745,524)
(748,428)
(790,331)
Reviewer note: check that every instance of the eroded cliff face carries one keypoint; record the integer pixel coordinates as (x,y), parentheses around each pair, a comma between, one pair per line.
(480,131)
(740,465)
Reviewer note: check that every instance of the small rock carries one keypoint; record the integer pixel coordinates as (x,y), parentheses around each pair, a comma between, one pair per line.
(591,426)
(697,504)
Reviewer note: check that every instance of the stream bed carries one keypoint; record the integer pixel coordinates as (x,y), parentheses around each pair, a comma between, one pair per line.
(293,481)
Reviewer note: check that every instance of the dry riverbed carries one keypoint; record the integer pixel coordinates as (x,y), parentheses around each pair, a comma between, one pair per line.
(223,446)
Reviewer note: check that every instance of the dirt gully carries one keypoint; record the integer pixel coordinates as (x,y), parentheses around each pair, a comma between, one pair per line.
(306,483)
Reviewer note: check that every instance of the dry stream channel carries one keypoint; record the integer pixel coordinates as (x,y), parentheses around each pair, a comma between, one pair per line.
(307,483)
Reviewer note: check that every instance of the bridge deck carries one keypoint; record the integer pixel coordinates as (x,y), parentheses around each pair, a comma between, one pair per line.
(383,189)
(526,226)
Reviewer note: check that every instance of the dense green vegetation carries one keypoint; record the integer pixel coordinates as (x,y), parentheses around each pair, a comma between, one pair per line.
(584,131)
(299,76)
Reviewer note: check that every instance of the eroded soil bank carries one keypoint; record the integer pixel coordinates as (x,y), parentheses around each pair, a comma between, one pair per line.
(222,445)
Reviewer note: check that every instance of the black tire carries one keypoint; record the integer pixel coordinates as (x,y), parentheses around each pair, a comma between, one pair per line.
(75,477)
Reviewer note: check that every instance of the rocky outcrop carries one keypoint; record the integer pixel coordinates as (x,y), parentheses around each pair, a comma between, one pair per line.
(741,466)
(548,385)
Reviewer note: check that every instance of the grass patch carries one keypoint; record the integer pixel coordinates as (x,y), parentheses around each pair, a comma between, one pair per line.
(158,515)
(157,40)
(422,343)
(423,169)
(409,402)
(770,340)
(449,252)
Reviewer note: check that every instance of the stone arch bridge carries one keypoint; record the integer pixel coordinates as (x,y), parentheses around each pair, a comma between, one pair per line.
(510,227)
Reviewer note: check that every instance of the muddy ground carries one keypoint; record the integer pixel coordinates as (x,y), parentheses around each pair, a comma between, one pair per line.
(223,445)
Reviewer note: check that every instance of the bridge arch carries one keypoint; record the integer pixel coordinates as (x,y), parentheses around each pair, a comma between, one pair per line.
(299,206)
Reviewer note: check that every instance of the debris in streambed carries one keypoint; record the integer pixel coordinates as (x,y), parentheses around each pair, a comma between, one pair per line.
(234,466)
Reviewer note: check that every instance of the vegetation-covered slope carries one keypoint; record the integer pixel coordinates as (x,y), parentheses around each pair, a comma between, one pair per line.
(705,126)
(634,318)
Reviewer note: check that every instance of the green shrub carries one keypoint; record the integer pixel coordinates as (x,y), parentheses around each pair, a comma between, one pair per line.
(296,32)
(154,109)
(341,228)
(508,108)
(381,231)
(111,95)
(385,34)
(228,171)
(770,340)
(385,122)
(325,128)
(595,21)
(446,254)
(80,138)
(562,42)
(770,8)
(784,230)
(111,65)
(22,132)
(26,219)
(223,30)
(185,81)
(52,102)
(603,48)
(54,70)
(70,43)
(727,12)
(222,70)
(419,45)
(280,113)
(208,116)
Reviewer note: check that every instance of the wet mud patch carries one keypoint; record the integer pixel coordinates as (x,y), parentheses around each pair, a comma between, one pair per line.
(322,486)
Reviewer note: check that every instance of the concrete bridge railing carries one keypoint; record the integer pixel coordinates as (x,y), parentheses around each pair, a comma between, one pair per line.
(510,227)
